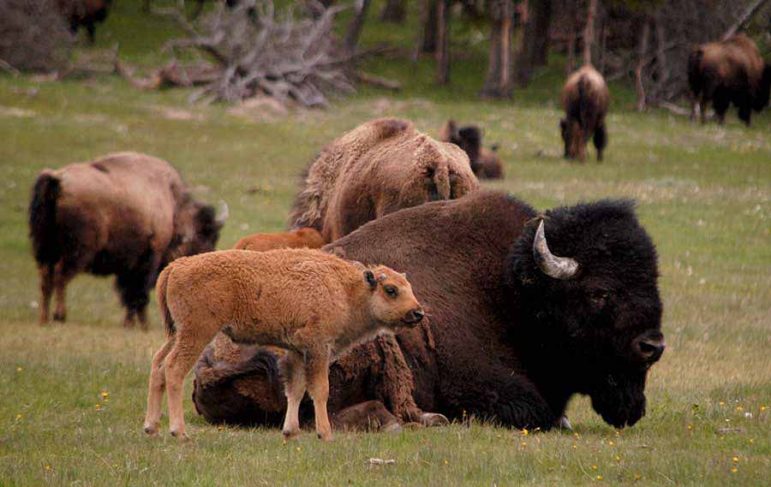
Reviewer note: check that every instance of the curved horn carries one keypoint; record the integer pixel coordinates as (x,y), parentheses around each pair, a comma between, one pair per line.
(550,264)
(223,213)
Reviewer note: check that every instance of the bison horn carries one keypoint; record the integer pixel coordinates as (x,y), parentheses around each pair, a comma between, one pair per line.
(223,213)
(550,264)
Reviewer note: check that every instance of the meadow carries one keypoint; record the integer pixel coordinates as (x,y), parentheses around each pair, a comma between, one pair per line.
(73,394)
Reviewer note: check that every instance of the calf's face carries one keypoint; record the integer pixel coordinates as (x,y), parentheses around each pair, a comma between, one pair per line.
(392,301)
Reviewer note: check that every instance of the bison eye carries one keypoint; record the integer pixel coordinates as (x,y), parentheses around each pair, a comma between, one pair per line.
(391,291)
(599,299)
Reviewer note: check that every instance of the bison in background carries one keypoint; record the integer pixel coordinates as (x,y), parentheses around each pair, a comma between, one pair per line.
(377,168)
(296,239)
(126,214)
(84,13)
(524,312)
(729,71)
(485,163)
(585,98)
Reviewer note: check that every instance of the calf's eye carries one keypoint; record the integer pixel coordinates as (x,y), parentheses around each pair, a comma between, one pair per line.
(391,291)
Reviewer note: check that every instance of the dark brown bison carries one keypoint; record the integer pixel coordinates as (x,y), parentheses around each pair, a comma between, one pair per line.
(377,168)
(485,163)
(126,214)
(585,98)
(524,312)
(85,13)
(729,71)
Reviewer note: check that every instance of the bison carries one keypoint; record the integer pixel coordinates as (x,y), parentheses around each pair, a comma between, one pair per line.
(377,168)
(296,239)
(585,99)
(524,311)
(485,163)
(729,71)
(126,214)
(311,303)
(84,13)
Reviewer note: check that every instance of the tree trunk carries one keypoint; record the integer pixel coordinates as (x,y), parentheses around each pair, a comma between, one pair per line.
(744,18)
(642,50)
(498,83)
(442,42)
(536,40)
(394,11)
(591,13)
(570,65)
(427,40)
(354,28)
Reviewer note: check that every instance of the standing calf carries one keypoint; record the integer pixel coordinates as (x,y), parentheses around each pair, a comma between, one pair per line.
(313,304)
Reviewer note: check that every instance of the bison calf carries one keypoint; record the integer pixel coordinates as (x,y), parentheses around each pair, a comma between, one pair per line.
(296,239)
(585,98)
(313,304)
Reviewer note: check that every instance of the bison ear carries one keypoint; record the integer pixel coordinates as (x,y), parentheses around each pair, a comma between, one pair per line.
(369,276)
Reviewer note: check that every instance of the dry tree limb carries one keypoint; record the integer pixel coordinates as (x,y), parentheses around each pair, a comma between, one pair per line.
(744,19)
(378,81)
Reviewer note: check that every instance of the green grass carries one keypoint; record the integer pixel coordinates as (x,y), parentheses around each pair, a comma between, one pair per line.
(704,194)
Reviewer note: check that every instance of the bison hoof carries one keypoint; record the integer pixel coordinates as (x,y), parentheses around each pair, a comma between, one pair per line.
(151,430)
(563,423)
(180,436)
(60,317)
(434,419)
(325,437)
(290,434)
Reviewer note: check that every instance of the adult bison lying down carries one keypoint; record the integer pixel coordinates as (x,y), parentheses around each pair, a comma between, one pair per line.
(515,328)
(126,214)
(375,169)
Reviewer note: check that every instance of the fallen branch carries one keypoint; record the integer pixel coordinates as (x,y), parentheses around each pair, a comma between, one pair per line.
(378,81)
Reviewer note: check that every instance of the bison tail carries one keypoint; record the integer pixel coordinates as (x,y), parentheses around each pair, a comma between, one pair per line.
(42,218)
(160,291)
(695,81)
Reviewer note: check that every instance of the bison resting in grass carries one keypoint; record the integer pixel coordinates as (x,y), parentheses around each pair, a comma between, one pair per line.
(585,98)
(377,168)
(729,71)
(311,303)
(126,214)
(524,312)
(296,239)
(485,163)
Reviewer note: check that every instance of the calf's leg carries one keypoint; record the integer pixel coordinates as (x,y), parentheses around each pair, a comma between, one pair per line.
(156,387)
(294,388)
(317,373)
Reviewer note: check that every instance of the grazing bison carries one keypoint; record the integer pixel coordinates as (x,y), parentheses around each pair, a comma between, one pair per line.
(485,163)
(84,13)
(296,239)
(523,312)
(126,214)
(729,71)
(585,98)
(377,168)
(309,302)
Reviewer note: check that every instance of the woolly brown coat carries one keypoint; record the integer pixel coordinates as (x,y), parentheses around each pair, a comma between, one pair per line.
(729,71)
(585,99)
(377,168)
(485,163)
(309,302)
(296,239)
(127,214)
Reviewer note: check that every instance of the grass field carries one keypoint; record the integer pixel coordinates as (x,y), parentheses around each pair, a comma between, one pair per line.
(73,395)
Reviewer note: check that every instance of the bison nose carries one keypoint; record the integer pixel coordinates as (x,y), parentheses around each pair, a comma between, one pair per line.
(650,347)
(414,317)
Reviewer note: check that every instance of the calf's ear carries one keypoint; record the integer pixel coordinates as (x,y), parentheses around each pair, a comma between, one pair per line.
(369,276)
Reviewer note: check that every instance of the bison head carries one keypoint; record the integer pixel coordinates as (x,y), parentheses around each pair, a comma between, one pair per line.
(197,229)
(588,306)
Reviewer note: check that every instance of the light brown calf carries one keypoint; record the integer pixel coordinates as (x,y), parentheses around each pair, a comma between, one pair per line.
(296,239)
(313,304)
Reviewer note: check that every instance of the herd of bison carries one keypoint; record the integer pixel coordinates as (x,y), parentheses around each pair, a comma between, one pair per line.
(494,310)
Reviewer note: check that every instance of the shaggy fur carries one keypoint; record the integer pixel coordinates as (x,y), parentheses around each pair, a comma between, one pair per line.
(296,239)
(585,99)
(85,13)
(126,214)
(485,163)
(311,303)
(730,71)
(506,342)
(377,168)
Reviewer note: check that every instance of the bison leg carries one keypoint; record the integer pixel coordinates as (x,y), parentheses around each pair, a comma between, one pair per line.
(295,390)
(366,416)
(62,277)
(46,289)
(745,110)
(133,288)
(720,103)
(600,140)
(317,374)
(156,388)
